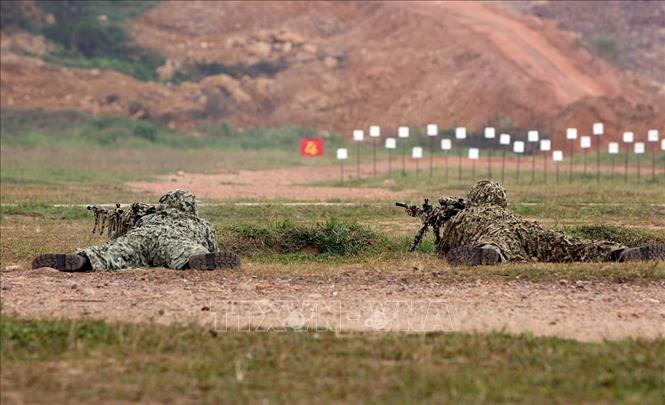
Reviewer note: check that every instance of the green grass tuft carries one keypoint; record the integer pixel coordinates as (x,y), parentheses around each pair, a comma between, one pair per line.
(332,238)
(46,359)
(618,234)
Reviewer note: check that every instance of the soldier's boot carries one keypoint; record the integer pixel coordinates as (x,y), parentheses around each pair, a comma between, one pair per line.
(62,262)
(469,255)
(643,253)
(216,260)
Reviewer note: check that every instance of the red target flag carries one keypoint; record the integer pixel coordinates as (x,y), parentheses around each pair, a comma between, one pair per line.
(311,147)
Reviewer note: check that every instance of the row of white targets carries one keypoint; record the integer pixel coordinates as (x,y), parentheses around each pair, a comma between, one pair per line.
(518,147)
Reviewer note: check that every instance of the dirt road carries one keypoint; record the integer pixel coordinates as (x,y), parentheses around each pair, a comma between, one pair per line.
(350,299)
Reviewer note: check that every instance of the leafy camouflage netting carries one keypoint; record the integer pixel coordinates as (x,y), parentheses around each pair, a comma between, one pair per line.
(484,221)
(166,234)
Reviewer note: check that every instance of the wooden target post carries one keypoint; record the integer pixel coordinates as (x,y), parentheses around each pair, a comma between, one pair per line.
(613,150)
(474,153)
(403,133)
(533,137)
(490,134)
(342,155)
(598,129)
(391,144)
(460,135)
(417,154)
(518,147)
(545,146)
(374,133)
(557,156)
(504,140)
(432,132)
(639,151)
(628,138)
(358,136)
(571,135)
(652,138)
(585,143)
(446,146)
(662,149)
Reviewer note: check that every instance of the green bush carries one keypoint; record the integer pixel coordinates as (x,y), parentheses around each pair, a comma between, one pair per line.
(85,40)
(606,48)
(332,238)
(145,130)
(618,234)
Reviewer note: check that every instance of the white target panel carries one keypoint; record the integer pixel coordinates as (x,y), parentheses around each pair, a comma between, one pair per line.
(598,128)
(518,147)
(342,154)
(490,133)
(652,135)
(358,135)
(375,131)
(474,153)
(417,152)
(557,156)
(391,143)
(446,144)
(639,148)
(532,136)
(432,130)
(571,133)
(460,133)
(545,145)
(613,148)
(504,139)
(628,137)
(403,132)
(585,142)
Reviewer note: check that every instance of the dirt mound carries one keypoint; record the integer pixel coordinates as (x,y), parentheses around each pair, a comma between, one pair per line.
(344,65)
(628,33)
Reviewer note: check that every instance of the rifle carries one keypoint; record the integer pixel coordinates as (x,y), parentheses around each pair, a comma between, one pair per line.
(425,213)
(118,221)
(433,217)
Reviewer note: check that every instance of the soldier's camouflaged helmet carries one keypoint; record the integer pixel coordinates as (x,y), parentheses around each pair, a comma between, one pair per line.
(488,192)
(180,200)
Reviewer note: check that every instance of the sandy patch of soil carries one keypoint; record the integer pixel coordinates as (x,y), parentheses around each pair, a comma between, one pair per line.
(282,183)
(351,299)
(292,182)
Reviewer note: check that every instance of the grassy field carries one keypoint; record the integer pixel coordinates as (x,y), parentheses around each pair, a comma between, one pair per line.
(94,361)
(50,162)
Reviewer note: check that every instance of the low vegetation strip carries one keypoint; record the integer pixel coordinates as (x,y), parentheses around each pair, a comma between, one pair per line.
(619,234)
(45,359)
(330,238)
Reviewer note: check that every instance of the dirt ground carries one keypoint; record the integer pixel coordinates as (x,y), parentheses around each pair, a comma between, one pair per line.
(291,182)
(283,183)
(350,299)
(343,65)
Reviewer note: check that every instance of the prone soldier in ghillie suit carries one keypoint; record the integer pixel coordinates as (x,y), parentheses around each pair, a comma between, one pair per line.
(480,230)
(168,234)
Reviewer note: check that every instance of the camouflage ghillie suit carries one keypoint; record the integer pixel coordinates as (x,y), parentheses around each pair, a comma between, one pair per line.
(162,235)
(487,223)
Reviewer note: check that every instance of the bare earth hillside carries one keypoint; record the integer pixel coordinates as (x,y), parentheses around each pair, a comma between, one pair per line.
(342,65)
